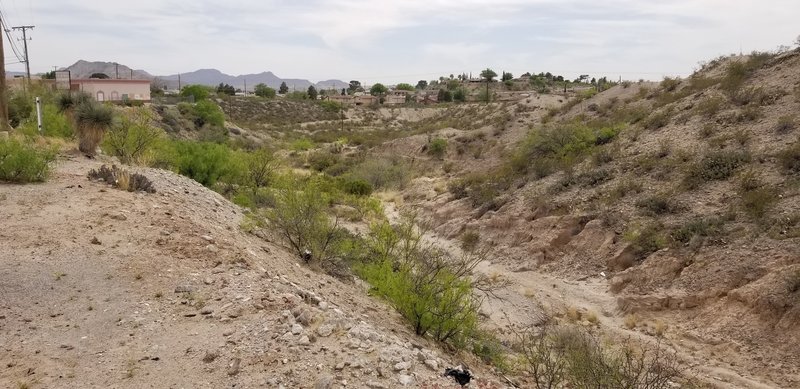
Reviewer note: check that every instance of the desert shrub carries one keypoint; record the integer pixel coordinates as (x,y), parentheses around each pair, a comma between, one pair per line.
(624,188)
(383,173)
(757,197)
(437,147)
(322,159)
(546,149)
(22,162)
(122,179)
(20,108)
(789,158)
(54,124)
(698,83)
(68,101)
(301,144)
(669,84)
(785,124)
(708,130)
(703,227)
(658,204)
(555,355)
(646,240)
(750,113)
(715,165)
(92,120)
(132,136)
(595,177)
(208,112)
(431,288)
(357,186)
(657,120)
(710,106)
(261,165)
(330,105)
(299,215)
(203,162)
(470,240)
(603,155)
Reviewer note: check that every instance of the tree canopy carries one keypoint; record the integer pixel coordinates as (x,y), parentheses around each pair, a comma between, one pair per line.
(422,84)
(199,92)
(404,86)
(226,89)
(355,86)
(283,88)
(488,74)
(378,89)
(312,92)
(263,90)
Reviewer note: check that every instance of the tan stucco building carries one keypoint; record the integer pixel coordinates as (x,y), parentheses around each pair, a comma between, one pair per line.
(113,90)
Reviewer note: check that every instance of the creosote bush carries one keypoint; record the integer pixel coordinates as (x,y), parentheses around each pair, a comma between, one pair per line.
(789,159)
(22,162)
(132,136)
(715,165)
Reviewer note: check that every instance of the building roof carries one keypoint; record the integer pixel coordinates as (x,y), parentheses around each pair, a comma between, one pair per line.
(108,81)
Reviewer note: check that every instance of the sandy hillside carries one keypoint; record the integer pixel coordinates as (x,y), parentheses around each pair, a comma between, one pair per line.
(102,288)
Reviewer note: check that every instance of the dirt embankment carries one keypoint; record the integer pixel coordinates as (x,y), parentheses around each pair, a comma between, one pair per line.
(104,288)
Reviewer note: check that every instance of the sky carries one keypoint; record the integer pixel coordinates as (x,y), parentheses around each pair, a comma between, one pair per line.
(400,41)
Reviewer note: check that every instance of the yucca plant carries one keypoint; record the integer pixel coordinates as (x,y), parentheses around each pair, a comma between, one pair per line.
(92,121)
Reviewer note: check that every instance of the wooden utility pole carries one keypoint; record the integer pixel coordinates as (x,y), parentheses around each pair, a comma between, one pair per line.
(25,46)
(3,93)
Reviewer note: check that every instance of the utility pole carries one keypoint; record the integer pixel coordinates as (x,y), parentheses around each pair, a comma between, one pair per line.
(245,87)
(25,45)
(179,82)
(116,71)
(3,94)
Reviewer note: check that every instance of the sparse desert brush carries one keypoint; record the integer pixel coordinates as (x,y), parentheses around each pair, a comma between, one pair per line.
(646,239)
(707,130)
(785,124)
(657,120)
(742,136)
(660,327)
(624,188)
(21,161)
(631,321)
(669,84)
(470,240)
(750,113)
(603,155)
(710,106)
(789,158)
(591,316)
(715,165)
(659,204)
(697,227)
(437,147)
(573,314)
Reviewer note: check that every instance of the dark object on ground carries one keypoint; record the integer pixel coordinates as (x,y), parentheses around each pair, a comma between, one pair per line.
(462,376)
(307,255)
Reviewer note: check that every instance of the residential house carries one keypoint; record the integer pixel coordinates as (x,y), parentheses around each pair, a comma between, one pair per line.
(113,90)
(396,97)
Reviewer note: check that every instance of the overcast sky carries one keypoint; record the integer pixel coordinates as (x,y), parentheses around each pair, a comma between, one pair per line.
(405,40)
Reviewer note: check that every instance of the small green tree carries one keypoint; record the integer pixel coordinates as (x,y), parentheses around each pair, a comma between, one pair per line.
(355,86)
(378,90)
(444,96)
(422,84)
(460,95)
(437,147)
(130,137)
(488,75)
(283,89)
(198,92)
(262,90)
(404,86)
(312,92)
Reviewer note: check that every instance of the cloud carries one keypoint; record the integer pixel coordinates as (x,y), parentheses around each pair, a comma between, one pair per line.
(394,39)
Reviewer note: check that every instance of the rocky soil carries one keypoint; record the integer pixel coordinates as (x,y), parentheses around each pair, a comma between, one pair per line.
(104,288)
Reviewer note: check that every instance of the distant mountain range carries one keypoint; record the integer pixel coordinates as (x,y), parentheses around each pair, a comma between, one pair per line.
(212,77)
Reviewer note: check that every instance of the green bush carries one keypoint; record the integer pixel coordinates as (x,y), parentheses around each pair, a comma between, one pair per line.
(197,92)
(92,120)
(330,105)
(669,84)
(132,135)
(54,124)
(321,160)
(301,144)
(203,162)
(757,197)
(657,120)
(357,186)
(716,165)
(429,287)
(785,124)
(20,108)
(22,162)
(646,240)
(208,112)
(383,173)
(437,147)
(710,106)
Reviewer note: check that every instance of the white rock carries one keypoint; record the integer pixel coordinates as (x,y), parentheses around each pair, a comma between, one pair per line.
(405,380)
(402,366)
(297,329)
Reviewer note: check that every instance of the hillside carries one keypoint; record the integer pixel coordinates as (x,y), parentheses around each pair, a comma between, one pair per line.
(84,69)
(668,208)
(106,288)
